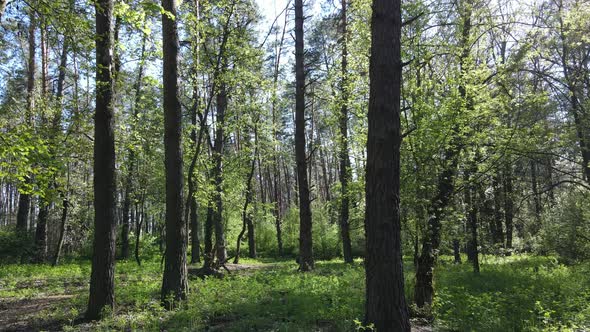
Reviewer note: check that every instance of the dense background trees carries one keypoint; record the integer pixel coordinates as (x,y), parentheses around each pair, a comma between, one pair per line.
(271,132)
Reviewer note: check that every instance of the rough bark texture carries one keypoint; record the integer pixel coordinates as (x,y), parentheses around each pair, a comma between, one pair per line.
(220,248)
(385,304)
(305,240)
(175,283)
(343,155)
(102,279)
(24,199)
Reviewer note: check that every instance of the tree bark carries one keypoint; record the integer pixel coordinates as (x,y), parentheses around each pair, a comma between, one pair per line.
(220,247)
(174,283)
(102,279)
(343,155)
(306,262)
(385,304)
(246,215)
(24,200)
(508,207)
(472,215)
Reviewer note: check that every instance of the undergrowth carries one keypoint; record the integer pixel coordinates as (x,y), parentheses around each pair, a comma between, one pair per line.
(518,293)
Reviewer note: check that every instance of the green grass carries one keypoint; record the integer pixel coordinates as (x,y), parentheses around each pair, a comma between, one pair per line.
(520,293)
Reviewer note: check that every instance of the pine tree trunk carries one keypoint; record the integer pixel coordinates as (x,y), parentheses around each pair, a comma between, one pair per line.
(385,304)
(306,262)
(175,283)
(24,200)
(102,279)
(220,247)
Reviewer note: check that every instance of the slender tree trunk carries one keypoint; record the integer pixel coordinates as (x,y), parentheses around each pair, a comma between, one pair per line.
(220,247)
(536,196)
(306,262)
(138,224)
(246,215)
(102,279)
(209,254)
(472,215)
(196,142)
(343,155)
(385,304)
(508,207)
(456,251)
(498,235)
(192,200)
(62,229)
(41,233)
(175,282)
(24,200)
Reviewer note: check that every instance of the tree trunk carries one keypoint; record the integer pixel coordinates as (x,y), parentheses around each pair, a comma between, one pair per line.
(220,248)
(385,304)
(508,207)
(456,251)
(246,215)
(24,200)
(305,226)
(41,233)
(175,283)
(343,155)
(62,229)
(209,254)
(102,279)
(472,215)
(536,197)
(498,235)
(138,224)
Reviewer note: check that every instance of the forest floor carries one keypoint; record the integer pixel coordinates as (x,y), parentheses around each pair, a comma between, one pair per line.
(510,294)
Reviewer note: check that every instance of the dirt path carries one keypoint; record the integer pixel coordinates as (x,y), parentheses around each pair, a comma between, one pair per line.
(18,315)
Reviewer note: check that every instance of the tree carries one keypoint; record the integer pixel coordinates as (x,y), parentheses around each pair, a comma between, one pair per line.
(102,279)
(175,283)
(343,155)
(385,304)
(305,226)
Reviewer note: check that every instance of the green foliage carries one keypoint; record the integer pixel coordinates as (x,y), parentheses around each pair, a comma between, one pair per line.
(518,293)
(566,230)
(14,245)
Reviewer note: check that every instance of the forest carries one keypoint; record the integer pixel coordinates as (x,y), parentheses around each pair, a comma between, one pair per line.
(294,165)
